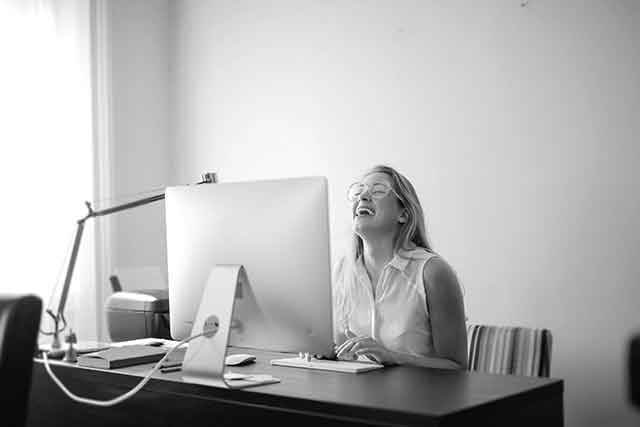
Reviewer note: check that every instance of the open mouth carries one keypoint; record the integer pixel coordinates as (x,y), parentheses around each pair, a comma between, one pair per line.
(365,211)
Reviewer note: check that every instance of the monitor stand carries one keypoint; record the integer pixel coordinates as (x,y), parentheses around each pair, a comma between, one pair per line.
(204,361)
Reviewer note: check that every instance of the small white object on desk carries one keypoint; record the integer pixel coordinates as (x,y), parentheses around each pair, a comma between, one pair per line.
(237,380)
(239,359)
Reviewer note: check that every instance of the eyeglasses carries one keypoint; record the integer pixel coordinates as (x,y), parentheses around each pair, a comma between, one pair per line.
(377,190)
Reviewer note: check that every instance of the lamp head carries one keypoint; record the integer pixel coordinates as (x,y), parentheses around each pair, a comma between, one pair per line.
(209,178)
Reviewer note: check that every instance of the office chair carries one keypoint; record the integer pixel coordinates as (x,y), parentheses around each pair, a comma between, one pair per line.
(19,323)
(509,350)
(634,370)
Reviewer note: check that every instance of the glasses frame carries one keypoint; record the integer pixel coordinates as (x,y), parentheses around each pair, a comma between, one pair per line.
(368,187)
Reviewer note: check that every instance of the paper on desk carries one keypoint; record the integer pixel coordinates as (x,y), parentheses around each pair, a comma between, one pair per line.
(233,376)
(147,341)
(230,376)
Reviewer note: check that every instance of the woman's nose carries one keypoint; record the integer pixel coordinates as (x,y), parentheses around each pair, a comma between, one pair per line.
(365,195)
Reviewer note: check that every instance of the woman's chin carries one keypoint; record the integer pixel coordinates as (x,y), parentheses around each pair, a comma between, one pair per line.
(363,224)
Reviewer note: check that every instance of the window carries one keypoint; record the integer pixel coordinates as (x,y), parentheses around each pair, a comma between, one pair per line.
(46,151)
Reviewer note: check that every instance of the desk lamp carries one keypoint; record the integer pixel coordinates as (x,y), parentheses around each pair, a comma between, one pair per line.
(59,321)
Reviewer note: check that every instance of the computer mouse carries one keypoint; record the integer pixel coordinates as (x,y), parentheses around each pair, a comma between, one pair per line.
(239,359)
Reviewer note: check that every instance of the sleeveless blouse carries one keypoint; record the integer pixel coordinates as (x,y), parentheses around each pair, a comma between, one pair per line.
(393,311)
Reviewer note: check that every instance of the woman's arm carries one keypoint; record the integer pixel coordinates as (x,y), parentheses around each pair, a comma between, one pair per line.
(426,362)
(446,311)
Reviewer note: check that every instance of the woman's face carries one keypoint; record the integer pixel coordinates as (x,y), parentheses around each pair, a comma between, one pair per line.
(376,215)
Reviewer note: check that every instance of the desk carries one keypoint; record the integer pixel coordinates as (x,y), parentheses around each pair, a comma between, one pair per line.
(392,396)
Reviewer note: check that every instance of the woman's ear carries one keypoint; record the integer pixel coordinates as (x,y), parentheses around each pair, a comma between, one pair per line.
(404,217)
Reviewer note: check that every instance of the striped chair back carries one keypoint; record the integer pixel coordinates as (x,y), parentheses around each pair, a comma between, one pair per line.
(509,350)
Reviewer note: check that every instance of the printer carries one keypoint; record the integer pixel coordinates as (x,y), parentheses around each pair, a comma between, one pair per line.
(139,314)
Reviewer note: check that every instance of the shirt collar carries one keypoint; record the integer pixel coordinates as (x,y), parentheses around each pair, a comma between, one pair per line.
(400,261)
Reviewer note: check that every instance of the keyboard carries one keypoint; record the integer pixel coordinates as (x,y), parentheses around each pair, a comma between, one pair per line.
(348,366)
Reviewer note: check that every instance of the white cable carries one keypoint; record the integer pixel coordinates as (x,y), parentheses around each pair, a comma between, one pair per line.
(120,398)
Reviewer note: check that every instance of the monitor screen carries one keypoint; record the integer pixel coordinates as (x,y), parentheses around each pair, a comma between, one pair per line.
(279,231)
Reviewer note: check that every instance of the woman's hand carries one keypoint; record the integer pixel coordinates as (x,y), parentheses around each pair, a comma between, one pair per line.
(364,346)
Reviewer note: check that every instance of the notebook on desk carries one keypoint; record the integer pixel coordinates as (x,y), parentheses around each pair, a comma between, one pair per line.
(120,357)
(348,366)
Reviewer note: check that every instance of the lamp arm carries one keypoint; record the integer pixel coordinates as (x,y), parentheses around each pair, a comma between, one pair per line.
(70,268)
(207,178)
(78,239)
(124,206)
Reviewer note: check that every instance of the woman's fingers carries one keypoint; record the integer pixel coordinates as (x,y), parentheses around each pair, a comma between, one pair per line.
(348,333)
(370,354)
(345,348)
(358,344)
(349,343)
(365,343)
(341,348)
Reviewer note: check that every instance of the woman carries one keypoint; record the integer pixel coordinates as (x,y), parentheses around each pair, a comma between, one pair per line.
(396,301)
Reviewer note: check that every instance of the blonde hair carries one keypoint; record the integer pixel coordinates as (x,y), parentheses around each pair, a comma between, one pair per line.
(413,233)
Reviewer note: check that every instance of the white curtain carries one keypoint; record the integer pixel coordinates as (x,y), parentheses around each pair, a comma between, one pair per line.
(46,152)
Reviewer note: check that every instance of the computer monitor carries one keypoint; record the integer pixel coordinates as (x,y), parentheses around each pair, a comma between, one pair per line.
(279,231)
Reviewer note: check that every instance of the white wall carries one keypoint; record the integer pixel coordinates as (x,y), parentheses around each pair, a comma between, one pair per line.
(518,125)
(138,45)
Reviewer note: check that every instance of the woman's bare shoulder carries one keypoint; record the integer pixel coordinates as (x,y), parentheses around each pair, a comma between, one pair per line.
(438,272)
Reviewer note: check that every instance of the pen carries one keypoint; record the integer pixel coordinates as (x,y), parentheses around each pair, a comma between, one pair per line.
(173,369)
(170,365)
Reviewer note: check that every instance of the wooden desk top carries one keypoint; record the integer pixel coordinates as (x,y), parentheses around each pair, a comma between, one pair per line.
(398,394)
